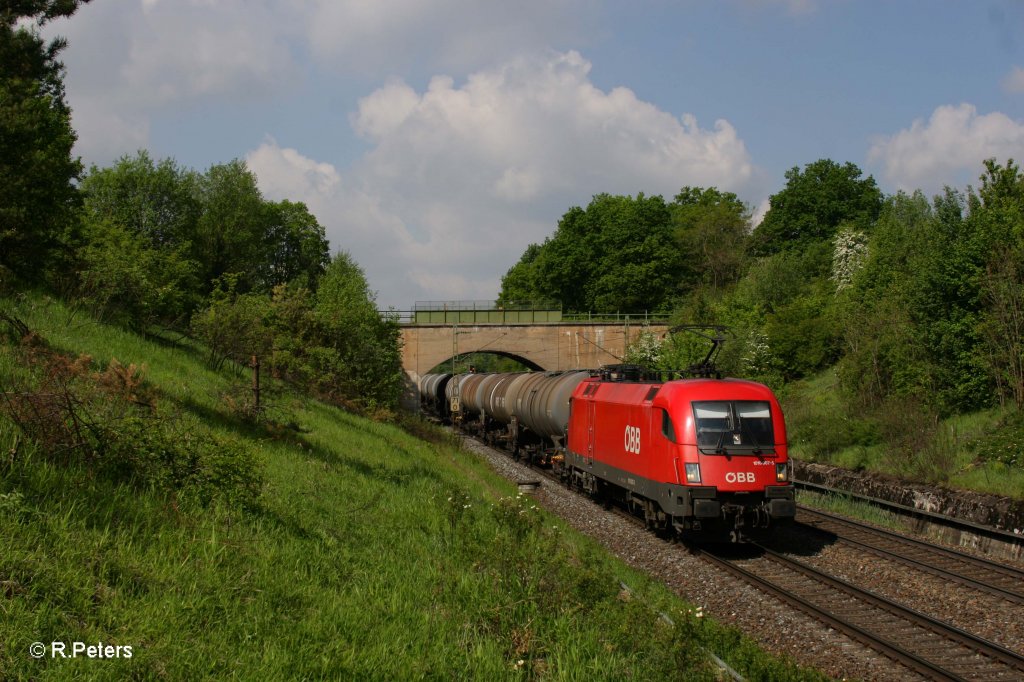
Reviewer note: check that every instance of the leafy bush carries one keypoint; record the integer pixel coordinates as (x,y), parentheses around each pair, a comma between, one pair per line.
(234,326)
(108,422)
(918,447)
(802,336)
(126,280)
(828,432)
(1003,444)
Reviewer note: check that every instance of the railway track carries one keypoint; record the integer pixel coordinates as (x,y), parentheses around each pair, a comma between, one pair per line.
(987,576)
(930,647)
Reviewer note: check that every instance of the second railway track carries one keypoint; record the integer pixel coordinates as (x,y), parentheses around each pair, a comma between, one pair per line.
(988,576)
(928,646)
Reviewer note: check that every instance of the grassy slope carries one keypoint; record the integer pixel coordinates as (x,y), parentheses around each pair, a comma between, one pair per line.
(373,555)
(822,428)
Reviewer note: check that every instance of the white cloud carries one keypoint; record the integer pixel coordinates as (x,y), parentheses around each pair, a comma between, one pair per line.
(186,50)
(104,135)
(947,148)
(385,110)
(461,177)
(139,59)
(759,212)
(1013,83)
(536,127)
(371,37)
(130,61)
(291,174)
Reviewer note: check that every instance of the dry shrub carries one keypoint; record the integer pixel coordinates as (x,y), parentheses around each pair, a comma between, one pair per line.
(108,422)
(241,402)
(127,383)
(57,407)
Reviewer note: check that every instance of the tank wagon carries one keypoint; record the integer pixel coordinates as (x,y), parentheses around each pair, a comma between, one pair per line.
(433,398)
(703,455)
(528,412)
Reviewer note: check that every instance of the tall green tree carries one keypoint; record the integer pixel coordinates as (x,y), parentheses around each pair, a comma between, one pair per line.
(618,254)
(296,246)
(139,222)
(519,286)
(711,227)
(156,200)
(218,221)
(359,351)
(813,205)
(265,243)
(232,227)
(914,310)
(37,170)
(997,216)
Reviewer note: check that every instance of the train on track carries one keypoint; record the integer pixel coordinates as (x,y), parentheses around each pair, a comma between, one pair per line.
(700,456)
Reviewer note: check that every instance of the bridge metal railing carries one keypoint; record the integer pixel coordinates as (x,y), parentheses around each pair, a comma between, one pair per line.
(515,315)
(494,316)
(620,318)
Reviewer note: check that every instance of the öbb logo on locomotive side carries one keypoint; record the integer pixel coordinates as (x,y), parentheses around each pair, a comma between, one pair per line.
(632,440)
(739,477)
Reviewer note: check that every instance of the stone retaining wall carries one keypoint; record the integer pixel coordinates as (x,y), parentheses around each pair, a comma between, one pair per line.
(1004,513)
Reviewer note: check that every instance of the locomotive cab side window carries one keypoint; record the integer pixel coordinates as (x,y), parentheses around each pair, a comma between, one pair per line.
(667,429)
(739,426)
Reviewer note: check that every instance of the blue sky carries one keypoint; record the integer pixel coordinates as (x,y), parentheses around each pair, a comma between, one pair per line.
(435,139)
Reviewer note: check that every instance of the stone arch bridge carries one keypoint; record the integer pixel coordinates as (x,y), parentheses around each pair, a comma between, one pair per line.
(539,345)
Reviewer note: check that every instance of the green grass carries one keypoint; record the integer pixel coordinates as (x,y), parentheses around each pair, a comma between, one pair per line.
(852,508)
(371,554)
(822,428)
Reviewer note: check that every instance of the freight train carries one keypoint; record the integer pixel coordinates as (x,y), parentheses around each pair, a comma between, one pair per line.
(701,456)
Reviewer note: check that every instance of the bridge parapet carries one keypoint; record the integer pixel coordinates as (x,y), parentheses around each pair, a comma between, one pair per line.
(544,345)
(489,312)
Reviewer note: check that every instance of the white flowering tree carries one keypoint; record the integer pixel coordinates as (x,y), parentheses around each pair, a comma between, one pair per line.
(848,255)
(645,350)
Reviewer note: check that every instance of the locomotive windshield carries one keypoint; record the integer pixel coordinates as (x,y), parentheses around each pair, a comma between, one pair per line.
(728,426)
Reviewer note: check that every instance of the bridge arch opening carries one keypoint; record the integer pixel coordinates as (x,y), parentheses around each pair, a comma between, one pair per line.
(485,361)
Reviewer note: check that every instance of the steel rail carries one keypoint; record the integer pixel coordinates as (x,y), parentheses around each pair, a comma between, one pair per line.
(1008,594)
(877,642)
(976,644)
(825,616)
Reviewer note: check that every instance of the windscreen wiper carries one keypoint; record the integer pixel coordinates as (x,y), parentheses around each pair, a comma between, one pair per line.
(720,447)
(757,446)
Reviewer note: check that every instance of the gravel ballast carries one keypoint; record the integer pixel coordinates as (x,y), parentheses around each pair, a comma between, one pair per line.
(775,626)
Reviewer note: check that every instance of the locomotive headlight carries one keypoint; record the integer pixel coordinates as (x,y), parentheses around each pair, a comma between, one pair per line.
(692,472)
(782,472)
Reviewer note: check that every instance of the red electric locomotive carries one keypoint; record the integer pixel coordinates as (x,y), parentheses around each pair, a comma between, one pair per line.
(700,454)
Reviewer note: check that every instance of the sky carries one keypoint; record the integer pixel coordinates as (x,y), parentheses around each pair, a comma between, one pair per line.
(435,139)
